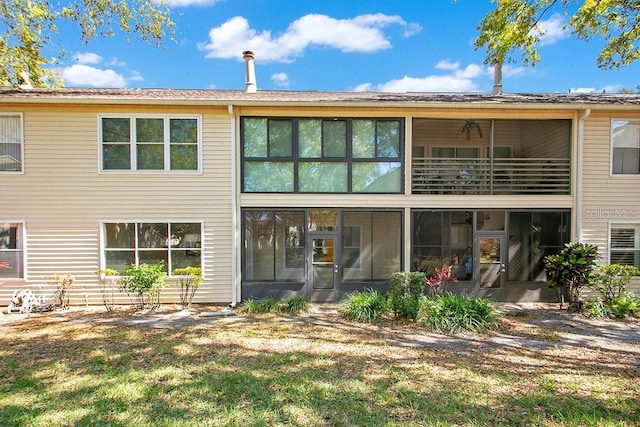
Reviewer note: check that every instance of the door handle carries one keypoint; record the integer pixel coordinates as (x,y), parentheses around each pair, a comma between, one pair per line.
(335,268)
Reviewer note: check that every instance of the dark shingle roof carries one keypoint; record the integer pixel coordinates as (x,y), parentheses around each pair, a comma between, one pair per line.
(223,97)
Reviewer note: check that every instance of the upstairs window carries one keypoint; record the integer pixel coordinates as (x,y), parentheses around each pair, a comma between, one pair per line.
(625,147)
(150,143)
(11,143)
(316,155)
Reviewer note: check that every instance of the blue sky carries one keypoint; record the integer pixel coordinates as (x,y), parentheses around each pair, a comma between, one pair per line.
(335,45)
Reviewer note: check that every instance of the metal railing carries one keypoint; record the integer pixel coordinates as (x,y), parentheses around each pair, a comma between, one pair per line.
(482,176)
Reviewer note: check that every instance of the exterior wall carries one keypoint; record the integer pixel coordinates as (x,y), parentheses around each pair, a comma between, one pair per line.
(606,198)
(62,198)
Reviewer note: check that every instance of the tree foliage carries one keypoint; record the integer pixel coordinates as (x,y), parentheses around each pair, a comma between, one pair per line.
(29,27)
(514,26)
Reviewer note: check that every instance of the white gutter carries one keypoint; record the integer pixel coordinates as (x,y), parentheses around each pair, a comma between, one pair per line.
(234,212)
(579,158)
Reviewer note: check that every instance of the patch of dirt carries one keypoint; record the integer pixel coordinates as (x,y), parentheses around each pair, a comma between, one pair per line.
(526,326)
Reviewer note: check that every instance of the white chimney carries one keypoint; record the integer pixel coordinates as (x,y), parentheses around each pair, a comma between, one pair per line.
(497,78)
(250,86)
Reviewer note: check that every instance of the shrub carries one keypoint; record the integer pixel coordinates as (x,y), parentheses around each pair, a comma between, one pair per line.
(624,305)
(190,279)
(295,304)
(367,306)
(108,279)
(63,283)
(406,289)
(596,308)
(454,313)
(571,268)
(438,281)
(611,280)
(259,306)
(144,283)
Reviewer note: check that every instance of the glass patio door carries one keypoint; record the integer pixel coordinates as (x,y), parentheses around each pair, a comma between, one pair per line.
(323,261)
(491,260)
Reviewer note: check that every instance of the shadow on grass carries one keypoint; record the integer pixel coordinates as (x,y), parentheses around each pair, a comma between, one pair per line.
(297,371)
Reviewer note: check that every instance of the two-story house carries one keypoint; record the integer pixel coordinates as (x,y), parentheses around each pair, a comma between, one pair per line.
(280,193)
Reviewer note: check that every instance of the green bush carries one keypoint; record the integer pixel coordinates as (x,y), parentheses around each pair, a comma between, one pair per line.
(295,304)
(190,279)
(596,308)
(367,306)
(571,268)
(406,289)
(611,280)
(624,305)
(450,313)
(144,283)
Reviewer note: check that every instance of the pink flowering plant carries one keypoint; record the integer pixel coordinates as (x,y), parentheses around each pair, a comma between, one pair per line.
(438,282)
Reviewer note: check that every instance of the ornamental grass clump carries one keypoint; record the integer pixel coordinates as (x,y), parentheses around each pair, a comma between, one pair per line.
(366,307)
(450,313)
(295,304)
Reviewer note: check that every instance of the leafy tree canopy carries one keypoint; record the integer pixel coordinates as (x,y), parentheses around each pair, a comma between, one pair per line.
(514,26)
(27,27)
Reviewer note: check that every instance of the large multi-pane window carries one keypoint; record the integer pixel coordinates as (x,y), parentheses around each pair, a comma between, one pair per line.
(176,244)
(150,143)
(625,147)
(624,245)
(313,155)
(11,140)
(11,250)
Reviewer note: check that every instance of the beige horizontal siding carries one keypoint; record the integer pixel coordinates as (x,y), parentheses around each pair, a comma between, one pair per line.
(606,199)
(62,197)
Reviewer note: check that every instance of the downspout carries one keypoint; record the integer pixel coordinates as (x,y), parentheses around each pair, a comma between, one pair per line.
(579,158)
(234,211)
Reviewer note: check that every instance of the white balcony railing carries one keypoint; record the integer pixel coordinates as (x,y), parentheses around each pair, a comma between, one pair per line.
(483,176)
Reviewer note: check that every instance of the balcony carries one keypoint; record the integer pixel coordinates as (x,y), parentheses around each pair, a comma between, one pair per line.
(513,176)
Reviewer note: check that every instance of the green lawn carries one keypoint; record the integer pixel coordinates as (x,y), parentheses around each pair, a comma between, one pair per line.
(77,369)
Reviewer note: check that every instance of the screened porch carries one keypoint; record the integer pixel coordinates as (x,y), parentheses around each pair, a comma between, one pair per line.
(491,157)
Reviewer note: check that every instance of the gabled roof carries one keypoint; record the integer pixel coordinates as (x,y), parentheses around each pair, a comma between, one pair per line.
(310,98)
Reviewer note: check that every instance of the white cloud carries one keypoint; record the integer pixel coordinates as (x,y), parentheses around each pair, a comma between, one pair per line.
(455,79)
(186,3)
(605,89)
(364,87)
(428,84)
(551,30)
(280,79)
(84,75)
(510,71)
(115,62)
(363,33)
(87,58)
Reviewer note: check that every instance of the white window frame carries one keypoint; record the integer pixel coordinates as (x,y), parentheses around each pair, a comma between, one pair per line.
(136,248)
(623,224)
(133,143)
(23,249)
(611,147)
(20,117)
